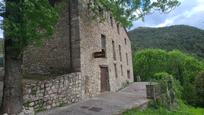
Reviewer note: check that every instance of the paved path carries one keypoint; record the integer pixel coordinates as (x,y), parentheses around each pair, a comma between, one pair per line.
(110,103)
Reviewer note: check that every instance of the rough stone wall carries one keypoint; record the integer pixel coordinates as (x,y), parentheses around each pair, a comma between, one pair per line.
(90,37)
(54,56)
(46,94)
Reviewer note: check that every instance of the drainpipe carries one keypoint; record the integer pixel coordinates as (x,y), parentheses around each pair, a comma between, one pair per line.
(74,36)
(70,35)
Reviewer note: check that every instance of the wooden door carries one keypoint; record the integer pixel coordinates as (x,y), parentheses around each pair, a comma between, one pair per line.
(105,86)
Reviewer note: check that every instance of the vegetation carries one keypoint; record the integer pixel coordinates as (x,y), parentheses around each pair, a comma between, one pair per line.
(182,110)
(126,11)
(183,67)
(199,89)
(177,73)
(184,38)
(166,64)
(170,89)
(28,22)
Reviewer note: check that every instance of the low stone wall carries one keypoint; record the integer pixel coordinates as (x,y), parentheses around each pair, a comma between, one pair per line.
(153,90)
(46,94)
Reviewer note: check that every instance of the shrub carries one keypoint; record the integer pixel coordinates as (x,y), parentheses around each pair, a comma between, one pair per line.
(182,66)
(199,89)
(170,88)
(150,61)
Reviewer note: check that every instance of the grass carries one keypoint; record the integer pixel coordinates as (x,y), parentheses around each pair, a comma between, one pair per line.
(162,111)
(182,110)
(153,112)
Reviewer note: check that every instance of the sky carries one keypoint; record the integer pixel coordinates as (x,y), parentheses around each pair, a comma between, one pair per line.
(190,12)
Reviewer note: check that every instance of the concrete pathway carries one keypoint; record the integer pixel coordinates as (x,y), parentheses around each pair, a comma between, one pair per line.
(133,96)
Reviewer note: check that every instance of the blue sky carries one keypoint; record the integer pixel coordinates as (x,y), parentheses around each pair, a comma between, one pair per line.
(190,12)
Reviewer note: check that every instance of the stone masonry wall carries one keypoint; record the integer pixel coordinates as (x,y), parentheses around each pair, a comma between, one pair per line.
(90,42)
(46,94)
(54,56)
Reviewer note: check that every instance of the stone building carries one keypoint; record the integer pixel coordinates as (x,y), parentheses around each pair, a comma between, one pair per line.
(85,58)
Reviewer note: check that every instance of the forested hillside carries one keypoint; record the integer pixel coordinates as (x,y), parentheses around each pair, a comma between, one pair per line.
(185,38)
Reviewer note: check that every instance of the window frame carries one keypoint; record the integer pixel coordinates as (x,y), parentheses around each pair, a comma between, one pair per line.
(120,52)
(116,70)
(113,50)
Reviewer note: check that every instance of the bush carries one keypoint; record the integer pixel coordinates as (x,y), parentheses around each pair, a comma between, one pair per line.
(199,89)
(171,90)
(182,66)
(150,61)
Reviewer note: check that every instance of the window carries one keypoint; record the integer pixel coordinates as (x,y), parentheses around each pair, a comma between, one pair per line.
(103,42)
(118,28)
(128,74)
(121,67)
(113,46)
(111,20)
(127,58)
(125,41)
(120,53)
(116,73)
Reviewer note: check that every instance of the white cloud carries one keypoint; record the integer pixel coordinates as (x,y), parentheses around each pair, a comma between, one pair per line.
(197,9)
(167,22)
(187,14)
(190,12)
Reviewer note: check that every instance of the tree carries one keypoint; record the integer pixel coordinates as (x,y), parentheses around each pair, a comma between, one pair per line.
(31,21)
(126,11)
(182,66)
(25,22)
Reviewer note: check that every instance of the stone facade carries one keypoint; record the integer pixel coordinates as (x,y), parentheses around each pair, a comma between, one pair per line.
(76,39)
(90,35)
(45,94)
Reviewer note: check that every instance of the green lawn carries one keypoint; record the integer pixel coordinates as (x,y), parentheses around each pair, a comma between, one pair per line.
(183,110)
(153,112)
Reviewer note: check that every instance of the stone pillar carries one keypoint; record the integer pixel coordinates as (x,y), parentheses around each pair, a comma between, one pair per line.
(75,36)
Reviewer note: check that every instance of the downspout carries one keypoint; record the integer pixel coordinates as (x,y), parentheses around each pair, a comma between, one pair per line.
(70,35)
(74,36)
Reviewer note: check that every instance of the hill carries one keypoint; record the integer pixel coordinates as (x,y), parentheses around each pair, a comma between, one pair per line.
(185,38)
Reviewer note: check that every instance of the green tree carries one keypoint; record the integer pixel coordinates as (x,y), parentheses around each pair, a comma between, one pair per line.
(126,11)
(183,67)
(150,61)
(32,21)
(25,22)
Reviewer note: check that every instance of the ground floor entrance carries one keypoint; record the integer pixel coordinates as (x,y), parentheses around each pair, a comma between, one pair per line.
(105,85)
